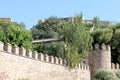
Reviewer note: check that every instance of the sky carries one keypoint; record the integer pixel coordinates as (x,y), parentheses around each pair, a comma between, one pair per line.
(30,11)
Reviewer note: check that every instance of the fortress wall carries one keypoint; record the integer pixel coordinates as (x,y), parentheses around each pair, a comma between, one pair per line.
(21,64)
(115,68)
(99,58)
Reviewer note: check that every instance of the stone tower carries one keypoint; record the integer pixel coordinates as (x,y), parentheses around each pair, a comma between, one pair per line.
(99,58)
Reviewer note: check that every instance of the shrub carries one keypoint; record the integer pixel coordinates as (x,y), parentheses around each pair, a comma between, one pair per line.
(118,74)
(102,74)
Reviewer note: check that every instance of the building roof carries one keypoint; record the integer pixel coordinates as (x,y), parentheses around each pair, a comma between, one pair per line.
(5,19)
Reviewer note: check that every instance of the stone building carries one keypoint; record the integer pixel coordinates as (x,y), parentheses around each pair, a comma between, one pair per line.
(5,19)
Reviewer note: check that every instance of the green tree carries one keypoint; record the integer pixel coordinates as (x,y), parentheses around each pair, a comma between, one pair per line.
(39,47)
(115,48)
(56,49)
(13,33)
(48,28)
(96,21)
(22,25)
(102,35)
(109,35)
(77,40)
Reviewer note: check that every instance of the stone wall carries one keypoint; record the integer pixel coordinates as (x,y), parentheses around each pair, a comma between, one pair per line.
(21,64)
(115,68)
(99,58)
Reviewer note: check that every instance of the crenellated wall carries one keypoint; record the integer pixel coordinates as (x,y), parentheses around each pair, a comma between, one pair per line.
(21,64)
(99,58)
(115,66)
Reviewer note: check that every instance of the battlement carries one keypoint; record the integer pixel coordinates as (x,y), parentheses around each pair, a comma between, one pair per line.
(27,53)
(115,66)
(83,66)
(102,47)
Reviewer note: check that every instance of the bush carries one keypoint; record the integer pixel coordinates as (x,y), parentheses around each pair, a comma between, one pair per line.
(118,74)
(102,74)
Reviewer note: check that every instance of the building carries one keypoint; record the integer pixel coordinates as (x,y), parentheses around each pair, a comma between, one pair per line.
(6,19)
(102,22)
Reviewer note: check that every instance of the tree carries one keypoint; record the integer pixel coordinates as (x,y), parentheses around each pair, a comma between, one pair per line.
(13,33)
(22,25)
(96,21)
(39,47)
(77,40)
(49,28)
(115,48)
(56,49)
(102,35)
(109,35)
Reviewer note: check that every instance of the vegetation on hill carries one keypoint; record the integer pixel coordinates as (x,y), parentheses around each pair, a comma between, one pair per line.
(15,34)
(75,39)
(48,28)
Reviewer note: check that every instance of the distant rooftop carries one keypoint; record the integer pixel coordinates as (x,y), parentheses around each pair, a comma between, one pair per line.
(5,19)
(88,21)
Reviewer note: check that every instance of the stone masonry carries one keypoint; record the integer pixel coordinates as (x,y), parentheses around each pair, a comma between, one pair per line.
(99,58)
(21,64)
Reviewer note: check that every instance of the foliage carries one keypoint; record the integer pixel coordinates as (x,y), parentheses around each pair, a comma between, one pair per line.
(76,36)
(39,47)
(102,74)
(49,28)
(109,35)
(115,42)
(72,56)
(102,35)
(118,74)
(13,33)
(96,22)
(55,49)
(77,40)
(22,25)
(88,26)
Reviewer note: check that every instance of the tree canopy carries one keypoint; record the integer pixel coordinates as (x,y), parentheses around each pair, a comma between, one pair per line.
(75,39)
(48,28)
(13,33)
